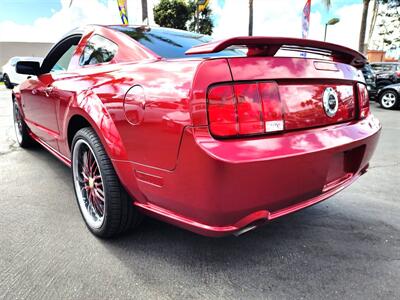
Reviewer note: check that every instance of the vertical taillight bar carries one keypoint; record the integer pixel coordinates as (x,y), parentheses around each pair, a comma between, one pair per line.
(249,109)
(363,100)
(272,106)
(244,109)
(222,113)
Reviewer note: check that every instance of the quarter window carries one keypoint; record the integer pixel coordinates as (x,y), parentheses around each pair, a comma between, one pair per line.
(98,50)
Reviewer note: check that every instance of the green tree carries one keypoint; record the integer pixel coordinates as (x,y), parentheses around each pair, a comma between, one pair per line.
(172,14)
(201,20)
(389,23)
(180,14)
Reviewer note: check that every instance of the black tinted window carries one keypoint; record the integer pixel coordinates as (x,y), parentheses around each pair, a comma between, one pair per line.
(171,43)
(98,50)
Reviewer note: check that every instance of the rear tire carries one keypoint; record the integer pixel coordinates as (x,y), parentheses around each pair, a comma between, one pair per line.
(389,99)
(7,81)
(104,204)
(21,130)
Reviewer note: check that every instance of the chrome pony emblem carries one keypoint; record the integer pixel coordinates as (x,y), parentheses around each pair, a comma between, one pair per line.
(330,102)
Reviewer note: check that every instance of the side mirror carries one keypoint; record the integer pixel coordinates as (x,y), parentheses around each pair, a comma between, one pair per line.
(28,67)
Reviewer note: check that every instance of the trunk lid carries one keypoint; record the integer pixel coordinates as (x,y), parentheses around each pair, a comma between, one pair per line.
(284,84)
(302,84)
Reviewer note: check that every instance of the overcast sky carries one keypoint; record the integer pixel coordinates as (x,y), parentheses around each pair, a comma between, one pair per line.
(47,20)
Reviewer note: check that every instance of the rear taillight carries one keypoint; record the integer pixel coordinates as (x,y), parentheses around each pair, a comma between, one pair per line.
(244,109)
(398,73)
(363,100)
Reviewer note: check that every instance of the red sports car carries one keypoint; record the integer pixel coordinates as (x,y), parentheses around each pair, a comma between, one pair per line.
(215,137)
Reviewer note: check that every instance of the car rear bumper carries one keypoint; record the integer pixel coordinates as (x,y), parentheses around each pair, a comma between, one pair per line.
(220,187)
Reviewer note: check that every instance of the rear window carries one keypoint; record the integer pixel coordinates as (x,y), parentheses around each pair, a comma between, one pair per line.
(172,43)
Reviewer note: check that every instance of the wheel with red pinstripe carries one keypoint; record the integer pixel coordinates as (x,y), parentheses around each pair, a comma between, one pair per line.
(104,204)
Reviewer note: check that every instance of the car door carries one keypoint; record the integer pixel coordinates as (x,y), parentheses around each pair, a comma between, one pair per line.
(40,99)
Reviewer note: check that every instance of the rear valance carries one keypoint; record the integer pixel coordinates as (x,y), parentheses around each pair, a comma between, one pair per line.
(271,45)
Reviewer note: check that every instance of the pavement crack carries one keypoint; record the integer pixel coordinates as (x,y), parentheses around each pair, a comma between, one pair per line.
(12,147)
(385,166)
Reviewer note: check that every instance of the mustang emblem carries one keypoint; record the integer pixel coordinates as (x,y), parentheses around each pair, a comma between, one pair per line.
(330,102)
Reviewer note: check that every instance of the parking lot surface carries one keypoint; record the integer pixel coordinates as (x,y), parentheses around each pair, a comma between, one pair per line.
(347,247)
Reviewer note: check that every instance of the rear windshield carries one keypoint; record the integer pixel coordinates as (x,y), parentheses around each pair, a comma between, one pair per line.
(172,43)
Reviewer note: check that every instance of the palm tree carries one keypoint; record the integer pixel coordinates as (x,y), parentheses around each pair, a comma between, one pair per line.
(361,41)
(144,11)
(327,3)
(363,27)
(250,17)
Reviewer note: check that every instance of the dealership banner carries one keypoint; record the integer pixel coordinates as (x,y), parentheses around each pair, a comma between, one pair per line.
(202,4)
(123,11)
(306,19)
(305,23)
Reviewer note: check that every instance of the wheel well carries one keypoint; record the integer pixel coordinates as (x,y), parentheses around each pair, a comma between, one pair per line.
(75,124)
(387,90)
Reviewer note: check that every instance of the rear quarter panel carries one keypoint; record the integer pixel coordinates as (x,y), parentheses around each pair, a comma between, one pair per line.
(155,140)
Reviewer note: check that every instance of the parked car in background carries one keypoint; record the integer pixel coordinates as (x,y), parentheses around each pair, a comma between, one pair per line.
(386,73)
(197,133)
(370,80)
(10,76)
(389,96)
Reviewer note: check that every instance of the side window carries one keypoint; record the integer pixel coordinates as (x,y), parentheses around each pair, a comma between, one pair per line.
(14,61)
(59,57)
(63,63)
(98,50)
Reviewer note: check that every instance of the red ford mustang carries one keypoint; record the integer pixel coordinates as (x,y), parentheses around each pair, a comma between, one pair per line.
(215,137)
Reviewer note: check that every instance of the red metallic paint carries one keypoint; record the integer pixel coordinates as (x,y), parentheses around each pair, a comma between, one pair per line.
(164,153)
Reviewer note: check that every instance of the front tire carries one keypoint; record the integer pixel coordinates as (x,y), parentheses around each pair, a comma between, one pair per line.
(21,130)
(7,81)
(103,202)
(389,99)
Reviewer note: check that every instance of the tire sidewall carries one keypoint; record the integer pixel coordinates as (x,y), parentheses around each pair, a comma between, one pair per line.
(7,81)
(82,134)
(26,140)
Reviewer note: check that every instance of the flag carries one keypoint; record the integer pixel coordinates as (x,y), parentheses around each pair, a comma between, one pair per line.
(305,23)
(306,19)
(202,4)
(123,11)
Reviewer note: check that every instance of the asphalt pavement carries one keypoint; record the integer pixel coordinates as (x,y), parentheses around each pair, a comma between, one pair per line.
(347,247)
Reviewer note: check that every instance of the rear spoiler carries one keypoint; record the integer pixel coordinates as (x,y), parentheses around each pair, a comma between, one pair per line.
(271,45)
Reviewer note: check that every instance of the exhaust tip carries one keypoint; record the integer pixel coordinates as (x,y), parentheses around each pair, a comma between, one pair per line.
(244,230)
(250,227)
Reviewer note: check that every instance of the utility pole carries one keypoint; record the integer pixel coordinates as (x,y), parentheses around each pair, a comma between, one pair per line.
(145,16)
(250,17)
